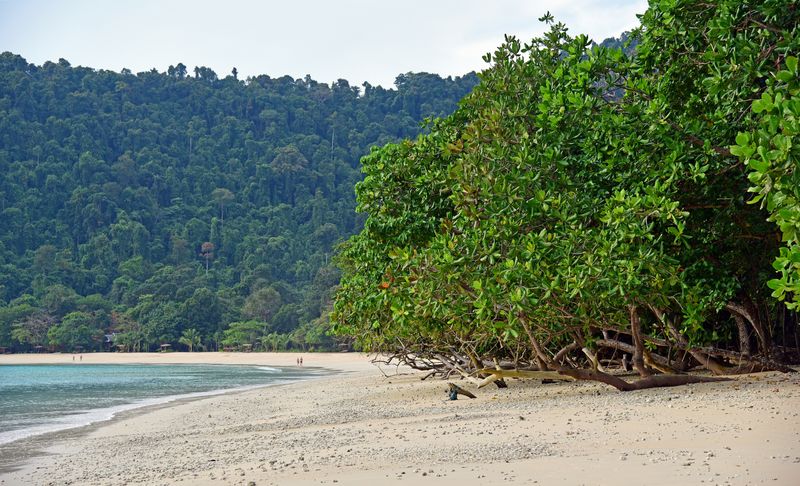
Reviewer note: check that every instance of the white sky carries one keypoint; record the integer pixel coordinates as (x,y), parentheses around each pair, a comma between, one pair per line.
(357,40)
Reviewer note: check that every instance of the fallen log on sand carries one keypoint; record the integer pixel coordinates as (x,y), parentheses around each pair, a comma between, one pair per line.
(569,374)
(495,374)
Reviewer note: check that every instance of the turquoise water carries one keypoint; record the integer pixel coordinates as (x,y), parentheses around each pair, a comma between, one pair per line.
(37,399)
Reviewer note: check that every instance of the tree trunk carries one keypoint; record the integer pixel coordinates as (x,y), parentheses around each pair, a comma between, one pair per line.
(630,349)
(542,360)
(655,381)
(761,333)
(559,357)
(709,362)
(638,342)
(744,336)
(592,359)
(751,363)
(495,374)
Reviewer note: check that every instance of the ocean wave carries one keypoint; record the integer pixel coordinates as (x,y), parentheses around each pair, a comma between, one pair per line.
(83,418)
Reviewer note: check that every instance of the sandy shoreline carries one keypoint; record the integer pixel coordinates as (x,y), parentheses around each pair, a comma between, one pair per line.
(361,427)
(19,454)
(332,361)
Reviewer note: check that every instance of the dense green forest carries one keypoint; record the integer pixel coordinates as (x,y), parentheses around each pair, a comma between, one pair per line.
(589,204)
(181,207)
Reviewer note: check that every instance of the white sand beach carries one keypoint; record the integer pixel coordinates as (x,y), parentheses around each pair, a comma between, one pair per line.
(371,426)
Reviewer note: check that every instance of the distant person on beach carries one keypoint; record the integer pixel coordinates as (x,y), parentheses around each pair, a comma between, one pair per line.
(73,357)
(301,361)
(298,361)
(81,357)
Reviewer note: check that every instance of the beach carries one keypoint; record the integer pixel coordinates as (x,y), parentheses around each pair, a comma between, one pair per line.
(368,425)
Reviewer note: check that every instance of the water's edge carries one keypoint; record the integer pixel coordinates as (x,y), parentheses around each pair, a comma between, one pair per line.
(19,453)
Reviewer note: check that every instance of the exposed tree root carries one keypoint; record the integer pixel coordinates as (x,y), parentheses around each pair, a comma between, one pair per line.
(465,363)
(653,381)
(754,364)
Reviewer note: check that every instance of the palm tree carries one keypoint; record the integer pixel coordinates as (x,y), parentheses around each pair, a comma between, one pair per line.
(190,338)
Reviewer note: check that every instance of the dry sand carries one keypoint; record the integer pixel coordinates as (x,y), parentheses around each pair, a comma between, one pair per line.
(364,428)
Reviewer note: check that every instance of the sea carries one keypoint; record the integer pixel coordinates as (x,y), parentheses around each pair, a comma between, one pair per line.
(39,399)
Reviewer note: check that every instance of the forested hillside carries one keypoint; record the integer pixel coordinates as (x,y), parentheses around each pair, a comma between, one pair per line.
(590,205)
(180,207)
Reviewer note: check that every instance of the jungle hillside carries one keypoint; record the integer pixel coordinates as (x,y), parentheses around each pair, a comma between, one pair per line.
(182,207)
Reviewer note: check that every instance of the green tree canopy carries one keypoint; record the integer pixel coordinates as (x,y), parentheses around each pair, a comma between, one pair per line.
(113,182)
(581,198)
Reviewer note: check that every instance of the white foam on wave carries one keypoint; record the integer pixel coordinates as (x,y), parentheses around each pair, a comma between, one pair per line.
(83,418)
(267,368)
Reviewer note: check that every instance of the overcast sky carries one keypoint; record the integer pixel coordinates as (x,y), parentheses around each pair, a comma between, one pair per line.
(357,40)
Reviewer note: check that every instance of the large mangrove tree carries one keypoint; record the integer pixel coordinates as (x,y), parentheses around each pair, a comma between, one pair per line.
(586,204)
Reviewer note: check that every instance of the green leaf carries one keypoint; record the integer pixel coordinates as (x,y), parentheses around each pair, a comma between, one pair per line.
(758,165)
(776,284)
(742,138)
(791,63)
(785,76)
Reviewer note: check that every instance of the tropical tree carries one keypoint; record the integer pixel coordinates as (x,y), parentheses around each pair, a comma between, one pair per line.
(275,341)
(243,332)
(577,203)
(76,330)
(207,252)
(262,304)
(773,158)
(190,338)
(32,329)
(10,315)
(222,196)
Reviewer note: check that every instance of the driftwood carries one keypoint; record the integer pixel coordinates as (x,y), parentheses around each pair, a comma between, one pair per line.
(496,374)
(454,390)
(501,383)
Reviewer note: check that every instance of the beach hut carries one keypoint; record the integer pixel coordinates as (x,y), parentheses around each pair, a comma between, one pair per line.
(108,341)
(165,347)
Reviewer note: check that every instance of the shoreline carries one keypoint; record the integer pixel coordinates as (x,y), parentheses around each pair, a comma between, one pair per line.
(18,454)
(99,416)
(367,427)
(333,361)
(30,448)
